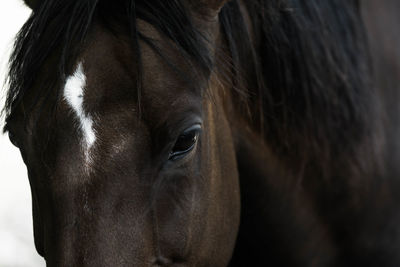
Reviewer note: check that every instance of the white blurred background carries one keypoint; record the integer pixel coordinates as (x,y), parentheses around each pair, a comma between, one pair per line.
(16,231)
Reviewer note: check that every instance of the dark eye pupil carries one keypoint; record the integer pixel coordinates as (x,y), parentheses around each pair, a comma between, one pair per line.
(185,142)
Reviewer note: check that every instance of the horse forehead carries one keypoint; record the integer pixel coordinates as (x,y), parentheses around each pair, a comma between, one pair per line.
(111,65)
(109,93)
(74,92)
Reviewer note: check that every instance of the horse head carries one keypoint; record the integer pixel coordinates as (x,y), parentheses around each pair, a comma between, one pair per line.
(129,151)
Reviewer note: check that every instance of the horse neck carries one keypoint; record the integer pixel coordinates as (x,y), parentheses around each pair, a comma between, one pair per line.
(315,154)
(330,196)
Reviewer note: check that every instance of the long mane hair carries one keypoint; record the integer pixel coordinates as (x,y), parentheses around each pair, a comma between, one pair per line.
(303,65)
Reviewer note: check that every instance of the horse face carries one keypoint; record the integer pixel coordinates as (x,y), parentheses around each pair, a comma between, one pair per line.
(122,182)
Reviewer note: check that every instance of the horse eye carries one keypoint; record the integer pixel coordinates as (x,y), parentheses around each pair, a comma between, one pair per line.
(185,142)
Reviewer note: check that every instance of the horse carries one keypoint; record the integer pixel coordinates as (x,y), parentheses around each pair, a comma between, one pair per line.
(209,132)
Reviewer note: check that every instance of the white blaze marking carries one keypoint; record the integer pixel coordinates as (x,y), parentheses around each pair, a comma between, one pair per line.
(73,94)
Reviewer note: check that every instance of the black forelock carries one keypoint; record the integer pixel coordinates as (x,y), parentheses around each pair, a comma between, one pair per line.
(61,26)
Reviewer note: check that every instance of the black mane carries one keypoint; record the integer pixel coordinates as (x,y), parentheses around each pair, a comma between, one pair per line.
(318,100)
(306,71)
